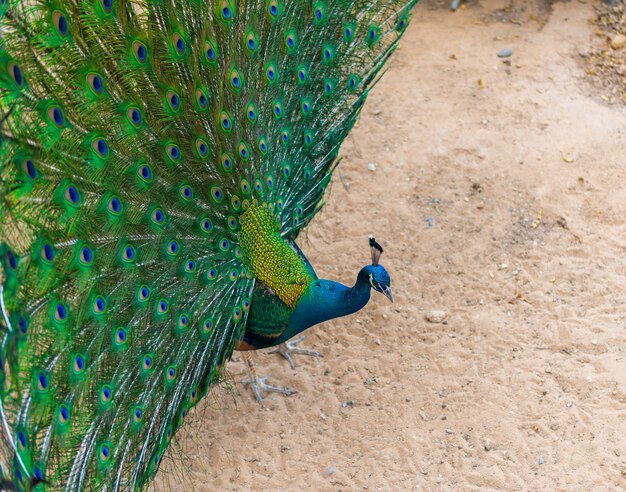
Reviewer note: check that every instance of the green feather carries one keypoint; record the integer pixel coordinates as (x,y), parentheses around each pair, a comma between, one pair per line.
(134,136)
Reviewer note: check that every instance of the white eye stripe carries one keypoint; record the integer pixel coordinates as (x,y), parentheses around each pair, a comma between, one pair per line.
(375,285)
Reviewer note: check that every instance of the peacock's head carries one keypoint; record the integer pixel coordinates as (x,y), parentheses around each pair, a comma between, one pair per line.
(378,276)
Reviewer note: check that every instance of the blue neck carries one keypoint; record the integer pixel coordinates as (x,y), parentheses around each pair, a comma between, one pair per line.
(325,299)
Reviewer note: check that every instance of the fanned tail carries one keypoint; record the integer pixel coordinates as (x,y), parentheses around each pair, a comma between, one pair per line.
(133,136)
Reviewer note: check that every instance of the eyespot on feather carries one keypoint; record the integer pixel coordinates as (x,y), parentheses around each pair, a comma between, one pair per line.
(170,373)
(60,23)
(173,152)
(55,115)
(273,9)
(225,122)
(217,194)
(244,151)
(278,109)
(63,415)
(227,162)
(291,41)
(251,113)
(100,147)
(78,365)
(134,116)
(244,186)
(95,83)
(107,6)
(210,51)
(319,13)
(128,253)
(140,52)
(42,383)
(99,305)
(147,362)
(302,74)
(86,256)
(179,44)
(207,326)
(235,80)
(16,74)
(202,148)
(104,454)
(201,99)
(190,266)
(144,172)
(173,100)
(186,192)
(137,415)
(206,225)
(105,394)
(226,11)
(28,167)
(120,337)
(251,41)
(143,293)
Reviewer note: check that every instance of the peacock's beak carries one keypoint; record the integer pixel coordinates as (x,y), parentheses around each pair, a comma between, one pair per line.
(388,294)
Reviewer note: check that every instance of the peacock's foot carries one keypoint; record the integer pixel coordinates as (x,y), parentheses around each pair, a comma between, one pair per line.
(288,348)
(259,384)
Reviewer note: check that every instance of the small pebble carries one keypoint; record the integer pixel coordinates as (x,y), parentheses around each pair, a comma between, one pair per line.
(435,316)
(541,461)
(371,380)
(487,446)
(372,166)
(449,431)
(330,470)
(349,403)
(429,222)
(505,53)
(618,41)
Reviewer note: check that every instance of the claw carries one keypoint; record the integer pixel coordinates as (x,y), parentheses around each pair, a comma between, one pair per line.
(259,384)
(288,348)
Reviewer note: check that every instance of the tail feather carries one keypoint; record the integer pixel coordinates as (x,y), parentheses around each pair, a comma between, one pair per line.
(133,136)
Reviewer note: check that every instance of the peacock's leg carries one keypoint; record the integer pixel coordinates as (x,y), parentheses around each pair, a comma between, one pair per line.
(288,348)
(259,384)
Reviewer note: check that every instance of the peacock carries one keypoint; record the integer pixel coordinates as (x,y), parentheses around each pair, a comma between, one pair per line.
(158,160)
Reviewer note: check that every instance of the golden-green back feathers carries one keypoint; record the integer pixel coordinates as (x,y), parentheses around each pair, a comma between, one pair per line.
(269,258)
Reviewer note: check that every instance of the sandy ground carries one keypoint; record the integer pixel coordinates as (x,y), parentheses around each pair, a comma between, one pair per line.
(501,203)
